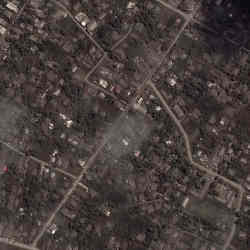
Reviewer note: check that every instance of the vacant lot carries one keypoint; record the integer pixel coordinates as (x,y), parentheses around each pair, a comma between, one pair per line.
(210,211)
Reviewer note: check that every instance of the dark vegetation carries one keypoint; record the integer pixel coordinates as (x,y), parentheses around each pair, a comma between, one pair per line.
(231,19)
(37,193)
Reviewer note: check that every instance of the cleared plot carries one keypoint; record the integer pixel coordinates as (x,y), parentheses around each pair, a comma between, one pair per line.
(210,211)
(10,114)
(29,193)
(225,194)
(216,219)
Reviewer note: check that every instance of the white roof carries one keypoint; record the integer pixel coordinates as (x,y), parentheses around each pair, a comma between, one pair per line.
(2,30)
(185,202)
(131,5)
(12,7)
(103,83)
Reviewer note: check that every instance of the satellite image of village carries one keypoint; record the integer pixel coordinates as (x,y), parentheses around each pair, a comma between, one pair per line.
(124,124)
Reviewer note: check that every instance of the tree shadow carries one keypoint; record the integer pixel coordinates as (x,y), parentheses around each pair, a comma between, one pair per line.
(229,18)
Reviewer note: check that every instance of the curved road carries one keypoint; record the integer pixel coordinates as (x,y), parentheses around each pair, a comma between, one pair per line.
(188,146)
(197,165)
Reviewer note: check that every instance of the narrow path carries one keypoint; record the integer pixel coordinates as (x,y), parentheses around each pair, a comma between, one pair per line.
(188,19)
(101,60)
(45,164)
(105,55)
(169,6)
(117,44)
(41,162)
(69,192)
(95,67)
(62,6)
(91,160)
(14,243)
(89,163)
(229,238)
